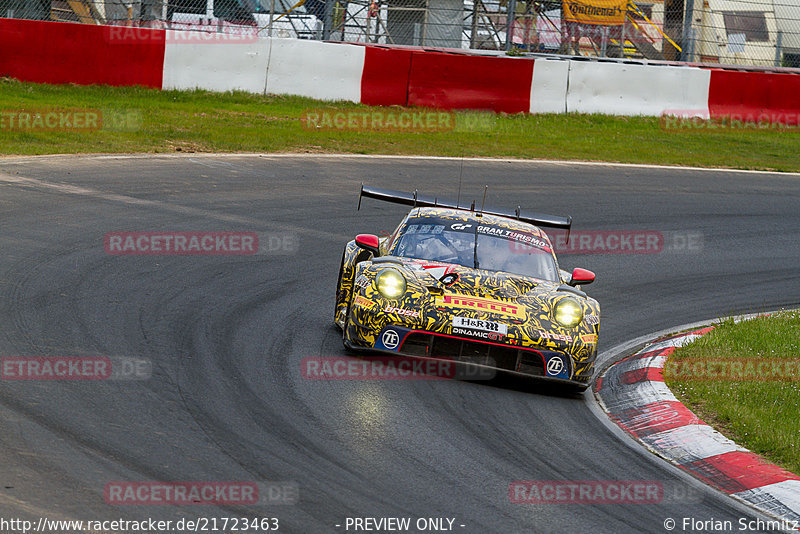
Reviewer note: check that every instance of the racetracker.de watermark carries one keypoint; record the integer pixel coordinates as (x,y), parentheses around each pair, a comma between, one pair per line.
(389,120)
(182,243)
(676,120)
(201,493)
(74,368)
(188,33)
(392,368)
(69,120)
(600,492)
(621,242)
(734,369)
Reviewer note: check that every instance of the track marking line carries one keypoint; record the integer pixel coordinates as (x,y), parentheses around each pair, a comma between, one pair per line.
(301,155)
(164,206)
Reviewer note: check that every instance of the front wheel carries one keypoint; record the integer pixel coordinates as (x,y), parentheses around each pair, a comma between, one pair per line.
(339,297)
(347,323)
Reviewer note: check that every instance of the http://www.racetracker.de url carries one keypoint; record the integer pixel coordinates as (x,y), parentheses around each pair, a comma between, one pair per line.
(44,525)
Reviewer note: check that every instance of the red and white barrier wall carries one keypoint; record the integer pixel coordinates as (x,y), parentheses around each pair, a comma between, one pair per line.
(278,66)
(191,63)
(775,96)
(315,69)
(381,75)
(629,89)
(55,52)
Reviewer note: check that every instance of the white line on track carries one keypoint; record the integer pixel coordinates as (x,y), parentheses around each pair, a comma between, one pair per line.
(24,159)
(156,204)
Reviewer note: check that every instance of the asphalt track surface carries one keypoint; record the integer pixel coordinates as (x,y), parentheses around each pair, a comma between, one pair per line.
(226,335)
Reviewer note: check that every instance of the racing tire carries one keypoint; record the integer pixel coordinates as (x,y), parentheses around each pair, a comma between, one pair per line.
(346,324)
(338,290)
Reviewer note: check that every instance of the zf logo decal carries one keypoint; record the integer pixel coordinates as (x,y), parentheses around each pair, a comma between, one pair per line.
(554,366)
(390,339)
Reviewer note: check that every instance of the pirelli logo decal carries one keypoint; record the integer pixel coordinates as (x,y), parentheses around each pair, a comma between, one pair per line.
(481,304)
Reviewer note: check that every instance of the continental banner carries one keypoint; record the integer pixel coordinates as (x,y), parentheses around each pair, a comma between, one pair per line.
(595,12)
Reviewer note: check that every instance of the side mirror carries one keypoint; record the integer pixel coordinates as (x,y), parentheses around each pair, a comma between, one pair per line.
(370,243)
(581,277)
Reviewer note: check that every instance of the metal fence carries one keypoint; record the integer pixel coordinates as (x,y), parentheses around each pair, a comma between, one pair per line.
(754,32)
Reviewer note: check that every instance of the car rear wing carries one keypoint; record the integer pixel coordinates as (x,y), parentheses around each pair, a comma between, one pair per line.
(425,201)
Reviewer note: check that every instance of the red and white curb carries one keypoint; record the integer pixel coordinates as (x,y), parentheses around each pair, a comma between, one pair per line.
(634,395)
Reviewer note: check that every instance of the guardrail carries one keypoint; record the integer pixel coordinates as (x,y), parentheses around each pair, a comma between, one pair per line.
(756,32)
(383,75)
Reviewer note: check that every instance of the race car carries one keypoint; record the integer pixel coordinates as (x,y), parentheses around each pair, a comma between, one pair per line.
(479,286)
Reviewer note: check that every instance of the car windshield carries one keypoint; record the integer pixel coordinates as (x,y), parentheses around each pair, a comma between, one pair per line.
(477,246)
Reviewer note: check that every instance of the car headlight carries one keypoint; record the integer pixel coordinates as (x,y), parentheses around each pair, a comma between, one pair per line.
(391,283)
(568,312)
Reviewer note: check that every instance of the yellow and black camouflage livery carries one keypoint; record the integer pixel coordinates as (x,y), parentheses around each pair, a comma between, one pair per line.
(491,318)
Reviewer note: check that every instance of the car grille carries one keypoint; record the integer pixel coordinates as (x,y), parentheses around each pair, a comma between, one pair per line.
(502,357)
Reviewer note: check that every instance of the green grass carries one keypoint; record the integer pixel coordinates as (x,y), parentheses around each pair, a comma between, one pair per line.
(761,415)
(199,121)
